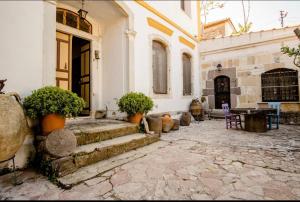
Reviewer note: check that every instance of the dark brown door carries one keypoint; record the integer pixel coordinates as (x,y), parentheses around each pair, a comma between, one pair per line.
(85,77)
(222,91)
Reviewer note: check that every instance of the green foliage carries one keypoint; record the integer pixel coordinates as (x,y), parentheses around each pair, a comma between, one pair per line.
(292,52)
(49,100)
(244,28)
(135,102)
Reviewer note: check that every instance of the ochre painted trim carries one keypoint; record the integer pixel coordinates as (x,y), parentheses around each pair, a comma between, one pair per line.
(156,12)
(199,20)
(155,24)
(186,42)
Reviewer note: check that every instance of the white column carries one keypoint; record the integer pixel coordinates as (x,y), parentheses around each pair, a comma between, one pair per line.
(49,43)
(131,35)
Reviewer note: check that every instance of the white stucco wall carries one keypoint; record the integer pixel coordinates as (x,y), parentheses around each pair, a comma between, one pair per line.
(114,63)
(21,45)
(174,101)
(28,52)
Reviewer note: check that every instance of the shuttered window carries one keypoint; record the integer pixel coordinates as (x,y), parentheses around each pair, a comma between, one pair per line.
(182,4)
(280,85)
(186,6)
(160,68)
(187,74)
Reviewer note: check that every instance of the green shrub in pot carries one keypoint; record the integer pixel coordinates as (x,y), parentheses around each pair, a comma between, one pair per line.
(53,100)
(134,103)
(52,105)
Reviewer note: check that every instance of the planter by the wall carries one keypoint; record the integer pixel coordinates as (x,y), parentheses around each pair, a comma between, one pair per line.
(167,123)
(136,118)
(52,122)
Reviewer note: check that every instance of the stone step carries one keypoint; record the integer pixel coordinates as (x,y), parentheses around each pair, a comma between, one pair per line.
(94,132)
(92,153)
(217,114)
(95,170)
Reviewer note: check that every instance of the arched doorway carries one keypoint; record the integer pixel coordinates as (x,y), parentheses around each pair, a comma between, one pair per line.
(88,50)
(222,91)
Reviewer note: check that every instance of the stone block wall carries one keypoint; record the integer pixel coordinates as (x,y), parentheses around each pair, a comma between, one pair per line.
(244,58)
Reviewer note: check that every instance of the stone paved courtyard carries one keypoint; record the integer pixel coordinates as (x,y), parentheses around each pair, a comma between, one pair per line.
(201,161)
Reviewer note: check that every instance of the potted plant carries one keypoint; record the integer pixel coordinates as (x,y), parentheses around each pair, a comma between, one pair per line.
(52,105)
(135,105)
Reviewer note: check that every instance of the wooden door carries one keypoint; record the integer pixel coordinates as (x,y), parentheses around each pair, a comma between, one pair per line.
(63,60)
(222,91)
(85,77)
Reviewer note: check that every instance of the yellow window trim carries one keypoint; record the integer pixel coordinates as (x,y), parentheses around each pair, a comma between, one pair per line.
(186,42)
(156,12)
(153,23)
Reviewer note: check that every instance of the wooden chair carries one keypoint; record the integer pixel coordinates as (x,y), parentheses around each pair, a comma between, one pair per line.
(231,119)
(273,118)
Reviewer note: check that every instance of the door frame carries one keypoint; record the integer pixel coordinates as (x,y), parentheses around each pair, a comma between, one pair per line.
(82,35)
(228,93)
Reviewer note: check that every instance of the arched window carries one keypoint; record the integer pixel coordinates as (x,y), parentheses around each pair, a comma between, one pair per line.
(280,85)
(72,19)
(187,74)
(160,68)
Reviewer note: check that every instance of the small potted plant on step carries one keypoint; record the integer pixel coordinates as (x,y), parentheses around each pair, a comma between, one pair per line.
(135,105)
(52,105)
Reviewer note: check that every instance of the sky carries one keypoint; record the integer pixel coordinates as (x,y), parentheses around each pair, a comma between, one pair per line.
(263,14)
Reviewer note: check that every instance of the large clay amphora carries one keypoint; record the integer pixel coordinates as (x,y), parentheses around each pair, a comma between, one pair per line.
(167,123)
(196,109)
(13,125)
(185,119)
(155,124)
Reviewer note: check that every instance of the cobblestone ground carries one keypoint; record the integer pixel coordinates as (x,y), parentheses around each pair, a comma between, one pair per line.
(202,161)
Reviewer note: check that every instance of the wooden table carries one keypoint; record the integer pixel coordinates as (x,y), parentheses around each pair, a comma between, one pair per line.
(255,119)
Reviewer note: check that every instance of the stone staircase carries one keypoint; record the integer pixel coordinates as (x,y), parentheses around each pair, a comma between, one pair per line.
(97,140)
(216,114)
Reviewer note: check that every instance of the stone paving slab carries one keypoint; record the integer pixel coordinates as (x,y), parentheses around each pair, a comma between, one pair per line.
(201,161)
(94,170)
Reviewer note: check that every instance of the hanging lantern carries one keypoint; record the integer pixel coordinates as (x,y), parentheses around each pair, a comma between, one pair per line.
(82,13)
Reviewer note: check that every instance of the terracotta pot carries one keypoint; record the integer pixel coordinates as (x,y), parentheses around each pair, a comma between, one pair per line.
(185,119)
(155,124)
(176,124)
(196,109)
(136,118)
(52,122)
(167,123)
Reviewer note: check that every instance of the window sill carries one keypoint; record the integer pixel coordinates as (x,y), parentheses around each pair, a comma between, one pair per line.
(161,96)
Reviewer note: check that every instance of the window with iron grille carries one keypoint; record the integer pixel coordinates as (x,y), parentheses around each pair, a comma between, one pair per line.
(280,85)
